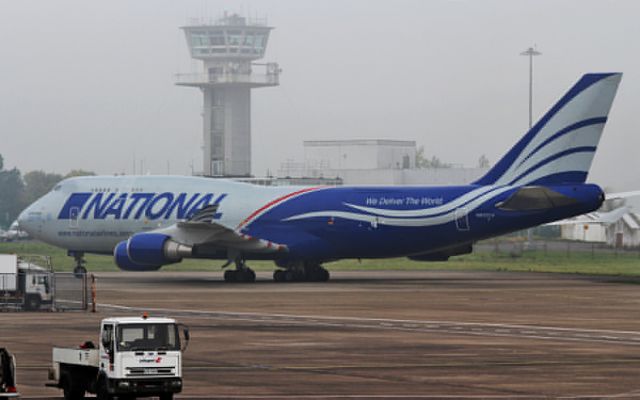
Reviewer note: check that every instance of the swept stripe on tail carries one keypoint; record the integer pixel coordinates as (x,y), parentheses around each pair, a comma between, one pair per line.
(560,147)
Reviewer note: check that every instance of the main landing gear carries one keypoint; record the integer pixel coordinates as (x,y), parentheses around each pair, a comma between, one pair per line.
(79,271)
(242,273)
(301,272)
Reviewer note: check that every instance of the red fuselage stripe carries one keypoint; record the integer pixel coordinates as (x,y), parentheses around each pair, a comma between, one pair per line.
(273,203)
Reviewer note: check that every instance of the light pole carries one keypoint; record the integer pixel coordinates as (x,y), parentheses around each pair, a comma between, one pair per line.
(530,52)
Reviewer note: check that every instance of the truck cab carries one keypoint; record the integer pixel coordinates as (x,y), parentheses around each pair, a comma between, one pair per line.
(35,281)
(141,354)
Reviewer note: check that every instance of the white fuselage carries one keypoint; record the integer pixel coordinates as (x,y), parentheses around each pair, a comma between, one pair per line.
(93,214)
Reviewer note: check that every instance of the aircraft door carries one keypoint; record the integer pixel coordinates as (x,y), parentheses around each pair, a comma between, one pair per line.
(74,217)
(462,219)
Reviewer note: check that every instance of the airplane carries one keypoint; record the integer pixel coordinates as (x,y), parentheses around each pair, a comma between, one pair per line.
(15,233)
(147,222)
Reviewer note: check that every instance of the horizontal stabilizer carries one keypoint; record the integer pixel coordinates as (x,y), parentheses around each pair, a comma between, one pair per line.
(605,218)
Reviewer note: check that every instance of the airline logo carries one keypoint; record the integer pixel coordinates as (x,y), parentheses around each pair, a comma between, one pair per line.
(137,205)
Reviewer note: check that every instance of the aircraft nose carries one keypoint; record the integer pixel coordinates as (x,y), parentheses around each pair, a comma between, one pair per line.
(23,220)
(30,219)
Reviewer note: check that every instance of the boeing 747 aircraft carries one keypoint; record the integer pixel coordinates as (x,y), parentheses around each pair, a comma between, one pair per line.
(150,221)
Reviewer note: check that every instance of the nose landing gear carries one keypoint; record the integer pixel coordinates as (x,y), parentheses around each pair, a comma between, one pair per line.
(79,271)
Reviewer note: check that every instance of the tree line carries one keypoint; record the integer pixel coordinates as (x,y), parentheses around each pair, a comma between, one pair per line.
(17,191)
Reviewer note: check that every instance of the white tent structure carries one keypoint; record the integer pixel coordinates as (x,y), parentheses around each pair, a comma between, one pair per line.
(618,228)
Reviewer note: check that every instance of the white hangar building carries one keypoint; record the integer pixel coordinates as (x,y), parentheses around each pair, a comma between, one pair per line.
(372,162)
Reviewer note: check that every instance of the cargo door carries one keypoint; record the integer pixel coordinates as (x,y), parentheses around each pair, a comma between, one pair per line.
(462,219)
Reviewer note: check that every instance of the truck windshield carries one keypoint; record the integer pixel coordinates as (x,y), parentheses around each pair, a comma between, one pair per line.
(147,337)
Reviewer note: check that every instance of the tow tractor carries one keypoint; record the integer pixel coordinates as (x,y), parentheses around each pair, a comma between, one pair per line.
(7,375)
(136,357)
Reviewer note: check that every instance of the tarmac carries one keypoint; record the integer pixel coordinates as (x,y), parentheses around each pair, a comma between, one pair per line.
(369,334)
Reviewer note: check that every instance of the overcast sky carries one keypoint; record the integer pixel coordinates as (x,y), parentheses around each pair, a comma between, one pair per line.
(90,84)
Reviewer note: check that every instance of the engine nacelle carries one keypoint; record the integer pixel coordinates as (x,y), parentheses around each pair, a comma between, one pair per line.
(149,251)
(124,262)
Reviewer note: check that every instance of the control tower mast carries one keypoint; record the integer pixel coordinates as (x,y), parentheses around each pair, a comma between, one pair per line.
(228,47)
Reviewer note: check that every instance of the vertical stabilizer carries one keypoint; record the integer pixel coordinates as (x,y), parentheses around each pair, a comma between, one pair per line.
(560,147)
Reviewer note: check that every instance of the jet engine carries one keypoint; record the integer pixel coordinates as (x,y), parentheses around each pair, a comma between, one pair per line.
(149,252)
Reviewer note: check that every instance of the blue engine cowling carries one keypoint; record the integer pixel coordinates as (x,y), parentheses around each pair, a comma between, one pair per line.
(124,262)
(148,252)
(148,249)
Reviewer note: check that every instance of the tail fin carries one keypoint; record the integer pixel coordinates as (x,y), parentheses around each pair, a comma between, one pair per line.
(561,145)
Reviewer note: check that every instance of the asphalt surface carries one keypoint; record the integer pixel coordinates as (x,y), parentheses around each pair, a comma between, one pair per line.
(370,334)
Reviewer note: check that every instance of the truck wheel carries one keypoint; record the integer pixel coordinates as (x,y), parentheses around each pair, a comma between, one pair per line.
(70,392)
(166,396)
(32,303)
(103,393)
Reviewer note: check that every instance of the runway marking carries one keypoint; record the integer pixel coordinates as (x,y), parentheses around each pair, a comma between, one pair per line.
(393,396)
(368,396)
(453,327)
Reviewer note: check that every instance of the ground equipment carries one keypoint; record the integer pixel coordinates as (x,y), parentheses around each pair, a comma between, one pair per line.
(136,357)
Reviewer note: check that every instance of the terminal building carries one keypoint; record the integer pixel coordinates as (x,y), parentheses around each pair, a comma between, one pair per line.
(228,48)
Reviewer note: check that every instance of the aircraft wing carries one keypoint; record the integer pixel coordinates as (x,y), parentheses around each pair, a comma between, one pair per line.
(622,195)
(202,230)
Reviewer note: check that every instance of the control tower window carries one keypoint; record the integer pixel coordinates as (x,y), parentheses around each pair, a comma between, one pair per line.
(217,40)
(258,43)
(198,41)
(235,38)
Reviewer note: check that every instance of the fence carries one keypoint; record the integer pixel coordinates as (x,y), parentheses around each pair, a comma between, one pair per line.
(515,248)
(71,291)
(44,291)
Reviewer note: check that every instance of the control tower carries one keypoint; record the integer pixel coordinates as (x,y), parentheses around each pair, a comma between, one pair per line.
(228,47)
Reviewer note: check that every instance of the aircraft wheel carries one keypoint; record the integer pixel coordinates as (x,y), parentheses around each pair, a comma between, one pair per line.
(79,272)
(316,273)
(289,276)
(230,276)
(247,275)
(324,275)
(278,275)
(320,275)
(302,276)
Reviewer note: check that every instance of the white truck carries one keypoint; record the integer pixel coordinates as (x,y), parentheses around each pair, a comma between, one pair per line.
(136,357)
(24,282)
